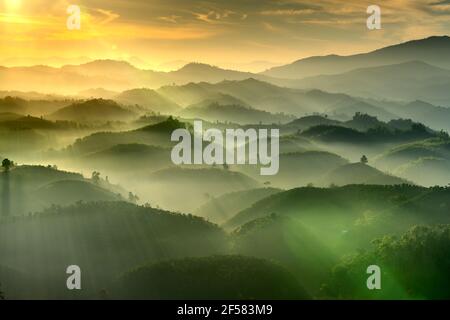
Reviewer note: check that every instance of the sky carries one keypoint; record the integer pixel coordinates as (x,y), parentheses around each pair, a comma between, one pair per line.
(227,33)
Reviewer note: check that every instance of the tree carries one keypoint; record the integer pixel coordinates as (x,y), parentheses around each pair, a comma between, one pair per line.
(95,177)
(364,159)
(7,164)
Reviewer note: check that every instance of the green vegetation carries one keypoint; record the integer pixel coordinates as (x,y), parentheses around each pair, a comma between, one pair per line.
(216,277)
(103,238)
(415,266)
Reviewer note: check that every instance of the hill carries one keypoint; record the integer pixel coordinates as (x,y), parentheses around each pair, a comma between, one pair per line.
(221,208)
(149,99)
(360,173)
(433,147)
(126,158)
(67,192)
(217,277)
(287,241)
(10,104)
(265,96)
(185,189)
(350,217)
(93,110)
(424,162)
(298,168)
(113,75)
(232,113)
(376,135)
(425,245)
(105,238)
(406,81)
(156,134)
(435,116)
(97,93)
(306,122)
(28,189)
(434,50)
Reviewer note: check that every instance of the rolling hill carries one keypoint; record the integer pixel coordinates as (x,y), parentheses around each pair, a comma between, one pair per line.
(156,134)
(106,238)
(127,158)
(28,189)
(93,110)
(232,113)
(424,162)
(349,217)
(360,173)
(186,188)
(406,81)
(218,277)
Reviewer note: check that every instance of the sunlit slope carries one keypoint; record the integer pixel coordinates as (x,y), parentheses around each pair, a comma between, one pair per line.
(285,240)
(425,162)
(187,188)
(360,173)
(424,249)
(298,168)
(104,238)
(221,208)
(350,216)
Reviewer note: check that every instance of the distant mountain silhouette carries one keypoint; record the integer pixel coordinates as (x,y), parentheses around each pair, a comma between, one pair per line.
(433,50)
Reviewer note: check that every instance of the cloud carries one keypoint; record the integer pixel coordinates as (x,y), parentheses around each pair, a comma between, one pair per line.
(288,29)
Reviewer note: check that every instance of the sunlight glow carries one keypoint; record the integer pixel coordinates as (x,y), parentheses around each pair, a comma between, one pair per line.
(13,4)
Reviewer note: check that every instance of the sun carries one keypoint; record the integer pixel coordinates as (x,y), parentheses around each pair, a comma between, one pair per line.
(13,4)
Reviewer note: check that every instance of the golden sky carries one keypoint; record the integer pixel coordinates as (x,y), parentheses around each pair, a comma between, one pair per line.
(221,32)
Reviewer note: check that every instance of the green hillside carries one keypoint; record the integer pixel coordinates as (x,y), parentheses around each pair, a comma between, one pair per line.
(360,173)
(216,277)
(105,239)
(349,217)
